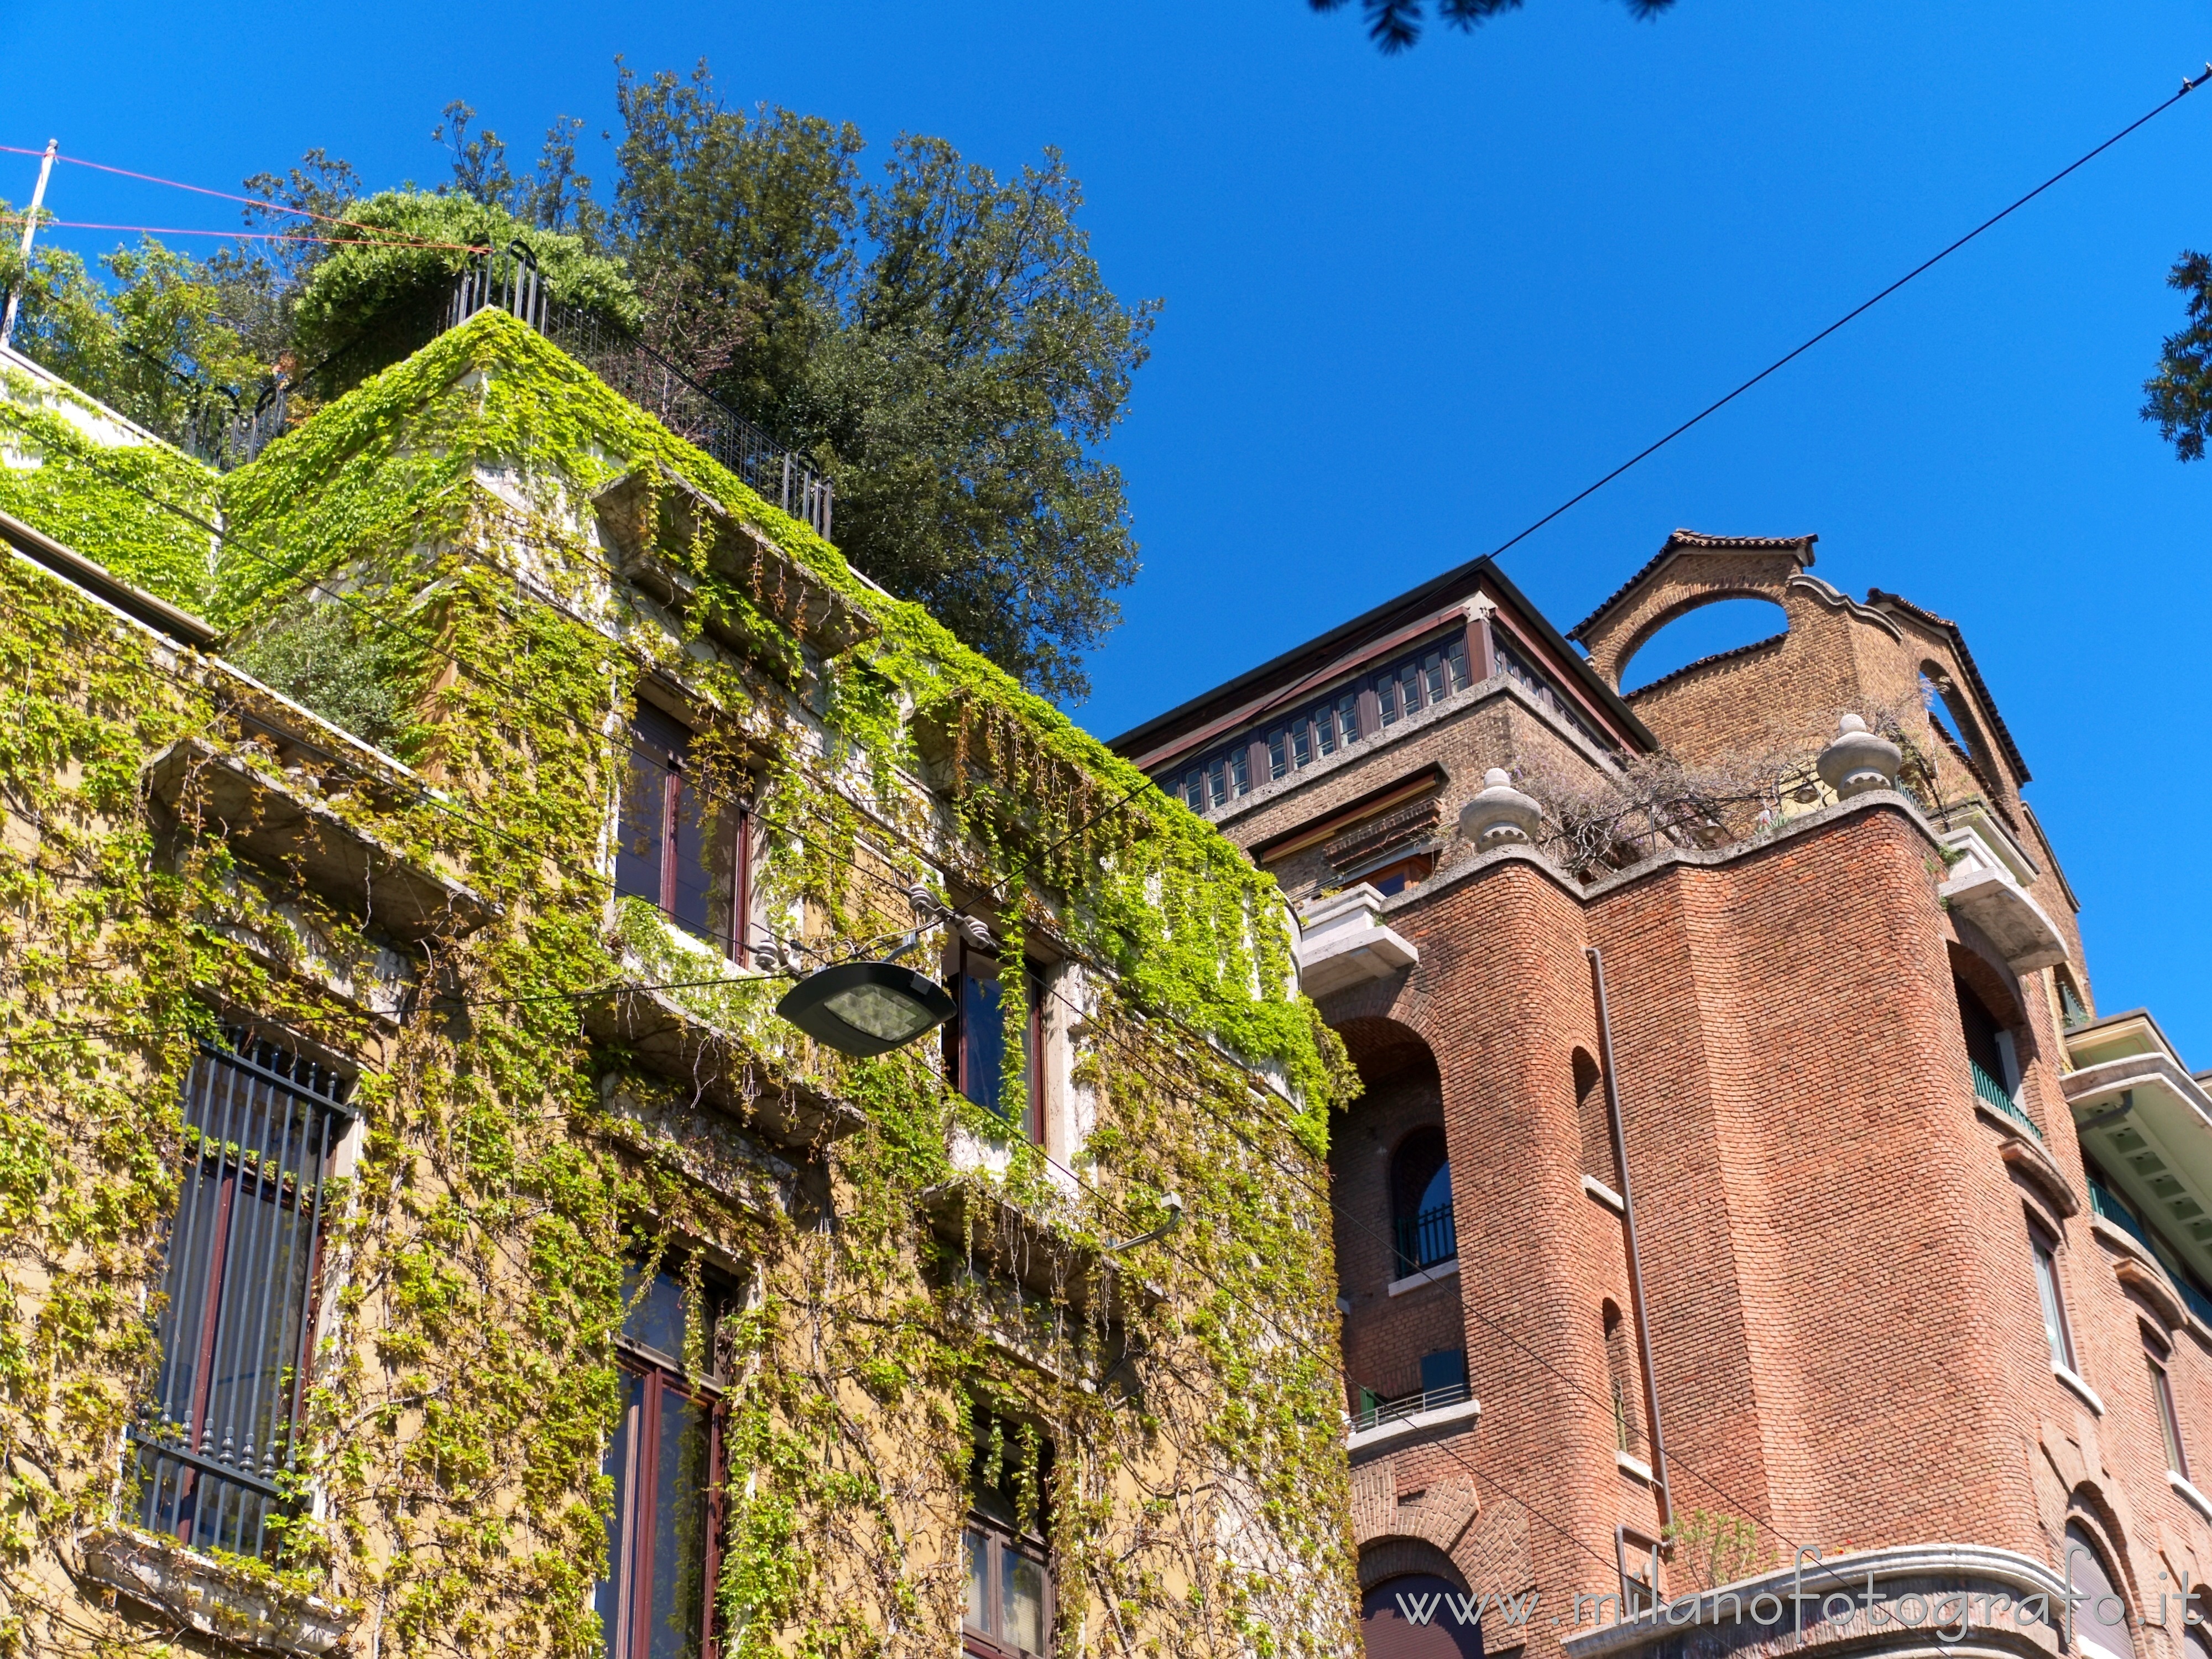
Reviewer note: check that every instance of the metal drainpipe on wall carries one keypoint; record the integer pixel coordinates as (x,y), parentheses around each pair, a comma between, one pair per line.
(1628,1226)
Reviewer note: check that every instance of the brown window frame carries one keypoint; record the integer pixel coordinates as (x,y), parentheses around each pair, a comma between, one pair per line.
(681,813)
(2044,1256)
(658,1378)
(961,1059)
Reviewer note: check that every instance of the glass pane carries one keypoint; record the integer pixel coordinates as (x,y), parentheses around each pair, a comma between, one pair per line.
(1023,1604)
(1389,691)
(1240,770)
(682,1475)
(607,1597)
(982,1041)
(1347,717)
(1455,655)
(654,1313)
(642,831)
(1302,743)
(979,1583)
(2054,1320)
(1278,760)
(702,889)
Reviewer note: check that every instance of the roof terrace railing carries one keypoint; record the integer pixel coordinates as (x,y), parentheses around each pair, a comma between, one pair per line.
(509,281)
(219,427)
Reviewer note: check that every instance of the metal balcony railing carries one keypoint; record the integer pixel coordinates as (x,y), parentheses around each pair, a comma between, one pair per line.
(1374,1411)
(1995,1094)
(509,281)
(1425,1239)
(2104,1201)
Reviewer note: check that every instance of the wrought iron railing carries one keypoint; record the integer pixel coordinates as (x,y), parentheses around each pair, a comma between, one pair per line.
(217,1443)
(218,426)
(2108,1204)
(1374,1412)
(1425,1239)
(509,281)
(1994,1093)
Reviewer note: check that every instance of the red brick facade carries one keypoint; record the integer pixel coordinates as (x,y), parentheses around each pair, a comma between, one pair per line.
(1834,1221)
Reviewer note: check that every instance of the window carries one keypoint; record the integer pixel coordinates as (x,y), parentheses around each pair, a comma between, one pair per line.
(1627,1421)
(666,1459)
(1009,1608)
(1389,1612)
(977,1059)
(1393,879)
(1991,1059)
(2054,1310)
(2100,1617)
(1421,1203)
(676,849)
(262,1126)
(2169,1422)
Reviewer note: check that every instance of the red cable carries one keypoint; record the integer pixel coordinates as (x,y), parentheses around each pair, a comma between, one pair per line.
(173,183)
(250,235)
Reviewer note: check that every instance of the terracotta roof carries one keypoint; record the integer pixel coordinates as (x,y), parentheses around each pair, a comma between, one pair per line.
(1950,630)
(1698,541)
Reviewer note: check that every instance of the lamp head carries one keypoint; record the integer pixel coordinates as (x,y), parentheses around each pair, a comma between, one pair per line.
(865,1007)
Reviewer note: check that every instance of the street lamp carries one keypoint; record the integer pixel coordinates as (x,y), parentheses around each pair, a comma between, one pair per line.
(865,1007)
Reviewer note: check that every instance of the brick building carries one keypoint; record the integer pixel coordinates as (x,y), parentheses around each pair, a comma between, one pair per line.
(1740,1147)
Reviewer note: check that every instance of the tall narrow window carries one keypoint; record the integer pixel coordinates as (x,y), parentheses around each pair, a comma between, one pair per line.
(666,1459)
(2054,1310)
(1009,1611)
(676,849)
(262,1126)
(2169,1422)
(980,1060)
(1627,1421)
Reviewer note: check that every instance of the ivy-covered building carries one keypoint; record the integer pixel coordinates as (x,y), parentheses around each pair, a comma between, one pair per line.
(421,1233)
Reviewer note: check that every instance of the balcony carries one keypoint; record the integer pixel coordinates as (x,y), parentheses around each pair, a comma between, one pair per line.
(2147,1120)
(1341,943)
(1994,1095)
(2108,1206)
(1424,1240)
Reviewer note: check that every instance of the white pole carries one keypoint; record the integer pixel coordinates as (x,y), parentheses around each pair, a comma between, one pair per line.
(30,228)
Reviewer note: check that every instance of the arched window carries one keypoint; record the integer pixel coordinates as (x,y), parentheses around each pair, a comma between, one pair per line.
(1419,1615)
(1421,1203)
(1589,1115)
(1627,1421)
(1992,1053)
(2100,1617)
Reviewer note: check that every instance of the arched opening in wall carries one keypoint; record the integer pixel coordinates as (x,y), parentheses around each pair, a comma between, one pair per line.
(2101,1619)
(1621,1380)
(1419,1616)
(1705,630)
(1421,1202)
(1952,718)
(1591,1118)
(1990,1023)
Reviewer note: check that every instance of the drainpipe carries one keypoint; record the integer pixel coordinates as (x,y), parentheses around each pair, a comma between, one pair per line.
(1628,1222)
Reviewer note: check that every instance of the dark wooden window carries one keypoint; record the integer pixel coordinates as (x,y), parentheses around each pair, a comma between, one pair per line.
(978,1058)
(663,1539)
(213,1445)
(677,848)
(2053,1303)
(1009,1591)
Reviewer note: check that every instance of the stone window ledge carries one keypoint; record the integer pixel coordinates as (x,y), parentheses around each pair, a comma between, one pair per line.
(1605,1195)
(2080,1385)
(1629,1464)
(1426,1276)
(223,1602)
(1465,1411)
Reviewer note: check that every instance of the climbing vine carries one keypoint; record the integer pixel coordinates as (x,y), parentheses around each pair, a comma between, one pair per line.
(912,1269)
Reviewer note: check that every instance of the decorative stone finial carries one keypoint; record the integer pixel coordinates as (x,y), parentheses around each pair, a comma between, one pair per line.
(1501,816)
(1857,760)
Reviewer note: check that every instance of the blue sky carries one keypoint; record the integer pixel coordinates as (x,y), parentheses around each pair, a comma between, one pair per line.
(1413,303)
